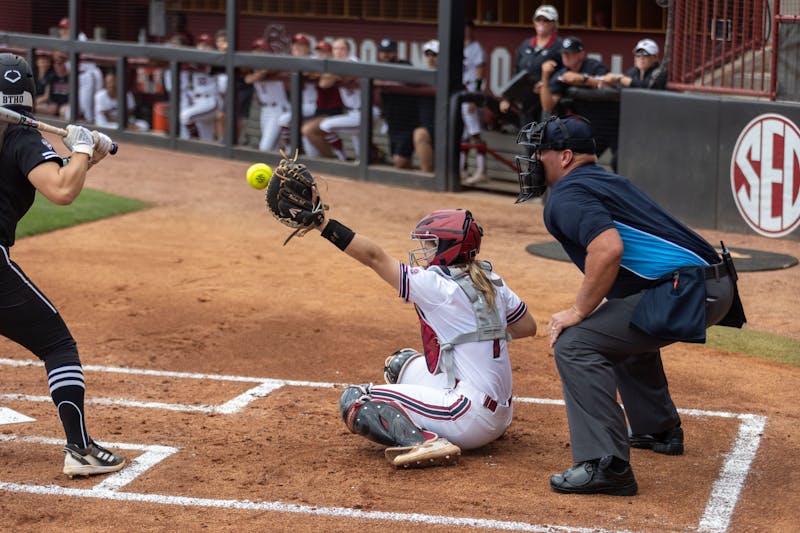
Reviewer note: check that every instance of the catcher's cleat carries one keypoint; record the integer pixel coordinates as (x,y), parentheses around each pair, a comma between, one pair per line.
(668,442)
(432,452)
(90,461)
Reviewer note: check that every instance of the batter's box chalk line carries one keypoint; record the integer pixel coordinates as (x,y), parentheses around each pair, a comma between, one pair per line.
(716,517)
(153,454)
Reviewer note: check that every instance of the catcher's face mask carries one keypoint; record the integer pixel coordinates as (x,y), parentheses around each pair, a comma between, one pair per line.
(424,254)
(530,170)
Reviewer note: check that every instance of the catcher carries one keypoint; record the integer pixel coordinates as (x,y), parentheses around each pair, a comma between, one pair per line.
(458,394)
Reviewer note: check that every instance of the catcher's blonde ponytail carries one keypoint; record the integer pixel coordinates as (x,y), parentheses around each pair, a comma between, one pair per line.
(482,282)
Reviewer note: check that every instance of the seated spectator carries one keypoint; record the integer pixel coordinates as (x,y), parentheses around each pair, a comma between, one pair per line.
(90,77)
(576,89)
(43,76)
(398,109)
(424,133)
(647,72)
(106,106)
(301,47)
(324,134)
(202,97)
(328,103)
(270,92)
(57,90)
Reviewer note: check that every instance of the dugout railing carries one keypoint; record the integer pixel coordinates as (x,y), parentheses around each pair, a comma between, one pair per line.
(446,81)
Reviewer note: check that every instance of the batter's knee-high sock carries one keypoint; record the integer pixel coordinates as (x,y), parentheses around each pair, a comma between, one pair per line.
(462,162)
(67,390)
(336,144)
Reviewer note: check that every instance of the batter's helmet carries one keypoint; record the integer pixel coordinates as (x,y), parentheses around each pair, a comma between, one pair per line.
(447,237)
(17,88)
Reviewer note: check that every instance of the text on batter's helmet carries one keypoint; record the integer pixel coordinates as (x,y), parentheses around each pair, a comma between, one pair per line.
(447,237)
(17,88)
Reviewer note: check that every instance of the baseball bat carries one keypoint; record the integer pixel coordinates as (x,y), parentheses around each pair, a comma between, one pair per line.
(12,117)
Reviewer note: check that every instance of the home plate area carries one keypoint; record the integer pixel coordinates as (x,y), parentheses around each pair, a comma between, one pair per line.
(163,406)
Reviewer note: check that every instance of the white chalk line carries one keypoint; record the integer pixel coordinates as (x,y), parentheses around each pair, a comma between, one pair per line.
(153,454)
(727,488)
(716,516)
(281,507)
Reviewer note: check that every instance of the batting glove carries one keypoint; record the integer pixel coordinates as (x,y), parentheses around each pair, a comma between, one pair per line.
(79,139)
(102,145)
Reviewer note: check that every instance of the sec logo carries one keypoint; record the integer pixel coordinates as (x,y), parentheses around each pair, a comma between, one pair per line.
(765,175)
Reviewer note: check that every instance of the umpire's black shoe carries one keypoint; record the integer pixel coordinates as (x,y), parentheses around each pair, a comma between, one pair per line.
(596,477)
(668,442)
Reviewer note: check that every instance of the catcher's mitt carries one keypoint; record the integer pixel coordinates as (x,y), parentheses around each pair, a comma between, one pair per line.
(292,197)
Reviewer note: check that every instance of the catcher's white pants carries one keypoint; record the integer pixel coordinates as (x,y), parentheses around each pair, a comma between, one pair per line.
(202,112)
(456,414)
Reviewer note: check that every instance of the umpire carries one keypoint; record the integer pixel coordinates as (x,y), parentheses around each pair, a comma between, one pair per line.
(648,281)
(29,163)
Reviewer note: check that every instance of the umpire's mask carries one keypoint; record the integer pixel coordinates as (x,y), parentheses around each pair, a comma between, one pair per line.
(573,133)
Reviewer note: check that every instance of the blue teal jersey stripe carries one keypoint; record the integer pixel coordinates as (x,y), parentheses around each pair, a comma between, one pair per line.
(649,256)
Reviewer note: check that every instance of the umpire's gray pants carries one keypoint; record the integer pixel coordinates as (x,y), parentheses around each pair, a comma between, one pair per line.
(602,354)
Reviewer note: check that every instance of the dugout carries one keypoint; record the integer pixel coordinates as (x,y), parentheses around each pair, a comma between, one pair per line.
(723,163)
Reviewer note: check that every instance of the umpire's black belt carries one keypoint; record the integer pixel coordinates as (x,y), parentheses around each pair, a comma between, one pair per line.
(716,271)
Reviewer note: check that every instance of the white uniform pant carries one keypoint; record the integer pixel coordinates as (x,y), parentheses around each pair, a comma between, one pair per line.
(285,121)
(472,121)
(270,126)
(348,123)
(202,112)
(456,414)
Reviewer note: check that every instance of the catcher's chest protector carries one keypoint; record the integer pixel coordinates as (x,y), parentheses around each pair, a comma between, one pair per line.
(489,325)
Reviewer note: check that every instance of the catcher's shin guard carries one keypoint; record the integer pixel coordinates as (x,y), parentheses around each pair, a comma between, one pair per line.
(352,395)
(396,363)
(380,422)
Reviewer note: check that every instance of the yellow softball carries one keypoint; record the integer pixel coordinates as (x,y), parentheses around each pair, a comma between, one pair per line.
(258,175)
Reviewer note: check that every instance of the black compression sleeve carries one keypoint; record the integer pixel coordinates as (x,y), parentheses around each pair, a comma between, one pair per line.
(339,234)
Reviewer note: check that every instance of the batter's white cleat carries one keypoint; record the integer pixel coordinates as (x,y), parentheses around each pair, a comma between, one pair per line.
(433,452)
(90,461)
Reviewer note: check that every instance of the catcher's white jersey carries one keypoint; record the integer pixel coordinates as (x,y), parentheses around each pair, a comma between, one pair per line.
(478,409)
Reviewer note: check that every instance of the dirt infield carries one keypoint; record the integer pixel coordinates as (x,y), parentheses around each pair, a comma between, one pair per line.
(213,356)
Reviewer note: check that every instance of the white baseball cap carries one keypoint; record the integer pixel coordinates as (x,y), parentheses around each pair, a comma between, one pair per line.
(432,45)
(548,12)
(648,46)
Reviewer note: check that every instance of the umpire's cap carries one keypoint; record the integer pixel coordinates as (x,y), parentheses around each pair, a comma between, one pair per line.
(570,133)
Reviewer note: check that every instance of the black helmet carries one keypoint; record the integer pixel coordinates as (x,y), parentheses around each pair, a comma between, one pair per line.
(17,88)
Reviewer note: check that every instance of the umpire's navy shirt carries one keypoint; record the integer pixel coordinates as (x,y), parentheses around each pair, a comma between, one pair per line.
(23,149)
(589,200)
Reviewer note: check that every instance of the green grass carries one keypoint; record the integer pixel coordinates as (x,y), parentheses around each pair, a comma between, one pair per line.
(755,343)
(90,205)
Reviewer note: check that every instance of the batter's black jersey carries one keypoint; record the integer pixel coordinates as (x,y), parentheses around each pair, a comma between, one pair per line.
(23,149)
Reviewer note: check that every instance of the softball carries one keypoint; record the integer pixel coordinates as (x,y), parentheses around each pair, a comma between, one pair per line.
(258,175)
